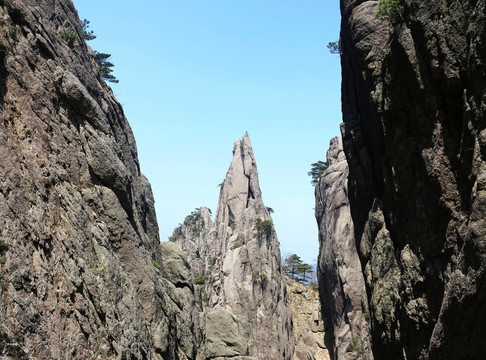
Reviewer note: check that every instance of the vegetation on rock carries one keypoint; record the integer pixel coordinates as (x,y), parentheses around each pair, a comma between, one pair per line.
(87,34)
(389,9)
(106,67)
(194,222)
(263,227)
(296,269)
(317,170)
(333,47)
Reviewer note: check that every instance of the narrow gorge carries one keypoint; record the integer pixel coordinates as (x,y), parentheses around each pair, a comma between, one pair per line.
(400,208)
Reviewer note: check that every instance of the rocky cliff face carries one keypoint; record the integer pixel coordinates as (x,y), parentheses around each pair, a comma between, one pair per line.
(242,265)
(414,137)
(80,265)
(341,282)
(307,322)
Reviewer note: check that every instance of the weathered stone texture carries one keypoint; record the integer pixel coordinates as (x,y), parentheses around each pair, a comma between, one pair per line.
(192,236)
(341,283)
(240,261)
(307,322)
(79,238)
(414,124)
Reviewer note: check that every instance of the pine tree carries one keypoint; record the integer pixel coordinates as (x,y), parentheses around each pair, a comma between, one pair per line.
(291,264)
(101,58)
(317,170)
(105,66)
(87,34)
(303,269)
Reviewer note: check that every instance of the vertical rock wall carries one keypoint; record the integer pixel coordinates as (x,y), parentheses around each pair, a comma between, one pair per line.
(414,137)
(341,283)
(80,265)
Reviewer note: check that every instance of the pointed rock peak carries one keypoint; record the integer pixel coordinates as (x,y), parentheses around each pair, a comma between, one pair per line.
(243,154)
(240,193)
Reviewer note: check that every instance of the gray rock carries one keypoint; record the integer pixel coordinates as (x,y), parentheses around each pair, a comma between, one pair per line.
(238,258)
(79,239)
(341,283)
(413,109)
(306,320)
(223,335)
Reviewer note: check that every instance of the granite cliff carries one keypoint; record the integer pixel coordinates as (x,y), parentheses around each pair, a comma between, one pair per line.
(308,326)
(341,282)
(414,137)
(238,260)
(81,272)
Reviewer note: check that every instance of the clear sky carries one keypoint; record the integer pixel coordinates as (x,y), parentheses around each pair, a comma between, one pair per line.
(196,74)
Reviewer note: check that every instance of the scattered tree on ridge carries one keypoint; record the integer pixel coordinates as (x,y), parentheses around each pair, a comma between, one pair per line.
(303,269)
(87,34)
(333,47)
(101,58)
(296,269)
(317,170)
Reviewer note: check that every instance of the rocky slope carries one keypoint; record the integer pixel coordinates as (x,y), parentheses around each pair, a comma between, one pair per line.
(80,265)
(341,282)
(307,322)
(414,137)
(242,264)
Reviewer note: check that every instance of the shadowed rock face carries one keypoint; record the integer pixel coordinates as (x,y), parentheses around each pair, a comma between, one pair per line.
(79,251)
(242,264)
(414,137)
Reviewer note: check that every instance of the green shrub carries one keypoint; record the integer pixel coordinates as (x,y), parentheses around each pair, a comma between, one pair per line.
(68,35)
(69,3)
(333,47)
(47,183)
(213,260)
(263,227)
(237,245)
(200,280)
(389,10)
(155,264)
(105,67)
(87,34)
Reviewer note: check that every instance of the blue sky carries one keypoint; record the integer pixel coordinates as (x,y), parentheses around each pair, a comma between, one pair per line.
(195,75)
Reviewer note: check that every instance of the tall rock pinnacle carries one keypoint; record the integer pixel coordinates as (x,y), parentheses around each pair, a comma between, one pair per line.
(247,277)
(242,271)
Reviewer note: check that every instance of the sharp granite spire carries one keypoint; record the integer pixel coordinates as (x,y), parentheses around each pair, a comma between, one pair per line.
(243,271)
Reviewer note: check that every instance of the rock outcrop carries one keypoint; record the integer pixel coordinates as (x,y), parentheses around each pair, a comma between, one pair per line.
(341,282)
(307,322)
(414,136)
(80,265)
(192,237)
(242,264)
